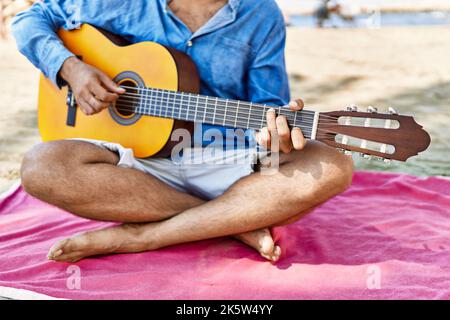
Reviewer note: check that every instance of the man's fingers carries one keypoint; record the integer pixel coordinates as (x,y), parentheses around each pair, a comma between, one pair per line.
(263,138)
(85,107)
(96,104)
(284,134)
(110,85)
(298,140)
(271,120)
(296,105)
(103,95)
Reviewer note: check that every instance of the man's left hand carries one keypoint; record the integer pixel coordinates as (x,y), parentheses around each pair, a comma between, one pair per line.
(278,128)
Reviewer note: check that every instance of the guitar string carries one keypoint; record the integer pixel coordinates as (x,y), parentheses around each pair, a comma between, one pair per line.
(208,113)
(177,97)
(321,132)
(240,123)
(304,129)
(136,103)
(243,119)
(307,118)
(174,94)
(223,106)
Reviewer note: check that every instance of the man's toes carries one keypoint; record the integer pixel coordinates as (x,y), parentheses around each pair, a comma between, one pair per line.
(265,241)
(262,241)
(66,247)
(58,249)
(274,256)
(71,257)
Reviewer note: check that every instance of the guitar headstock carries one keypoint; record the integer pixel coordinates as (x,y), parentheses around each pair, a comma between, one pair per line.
(385,135)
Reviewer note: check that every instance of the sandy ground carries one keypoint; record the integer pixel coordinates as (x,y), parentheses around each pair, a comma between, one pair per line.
(403,67)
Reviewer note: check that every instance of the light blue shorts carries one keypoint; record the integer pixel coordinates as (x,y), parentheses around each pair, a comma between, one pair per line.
(203,172)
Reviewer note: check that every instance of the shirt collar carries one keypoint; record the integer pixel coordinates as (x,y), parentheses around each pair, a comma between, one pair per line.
(225,16)
(234,4)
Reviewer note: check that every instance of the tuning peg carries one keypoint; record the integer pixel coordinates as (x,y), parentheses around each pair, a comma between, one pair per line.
(372,109)
(353,108)
(387,161)
(392,111)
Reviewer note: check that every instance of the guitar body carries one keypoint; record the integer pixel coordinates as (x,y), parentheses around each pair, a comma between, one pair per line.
(144,64)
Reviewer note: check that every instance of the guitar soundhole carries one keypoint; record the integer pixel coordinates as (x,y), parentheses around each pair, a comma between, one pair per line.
(126,109)
(127,103)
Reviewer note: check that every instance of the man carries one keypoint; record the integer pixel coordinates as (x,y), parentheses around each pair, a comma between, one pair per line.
(238,46)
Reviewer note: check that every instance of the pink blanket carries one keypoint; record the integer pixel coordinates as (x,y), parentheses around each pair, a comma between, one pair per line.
(387,237)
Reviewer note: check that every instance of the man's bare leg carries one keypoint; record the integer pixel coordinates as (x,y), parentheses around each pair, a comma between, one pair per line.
(82,178)
(305,180)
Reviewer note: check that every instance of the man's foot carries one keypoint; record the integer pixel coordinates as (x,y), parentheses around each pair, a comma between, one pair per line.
(121,239)
(127,239)
(262,241)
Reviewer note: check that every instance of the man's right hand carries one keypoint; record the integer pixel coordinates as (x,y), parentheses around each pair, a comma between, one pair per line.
(93,90)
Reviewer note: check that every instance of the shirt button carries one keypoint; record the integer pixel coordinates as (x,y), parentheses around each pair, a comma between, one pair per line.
(189,43)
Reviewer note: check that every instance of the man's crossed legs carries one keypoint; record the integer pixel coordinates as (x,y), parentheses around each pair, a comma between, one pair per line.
(85,180)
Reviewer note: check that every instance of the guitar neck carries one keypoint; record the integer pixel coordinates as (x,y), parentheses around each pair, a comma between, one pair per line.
(209,110)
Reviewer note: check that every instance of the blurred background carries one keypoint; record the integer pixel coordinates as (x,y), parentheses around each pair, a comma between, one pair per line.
(381,53)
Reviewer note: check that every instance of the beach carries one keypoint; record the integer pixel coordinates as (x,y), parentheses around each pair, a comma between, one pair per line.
(403,67)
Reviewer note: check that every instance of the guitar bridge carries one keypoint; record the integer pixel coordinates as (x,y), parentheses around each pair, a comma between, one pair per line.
(71,109)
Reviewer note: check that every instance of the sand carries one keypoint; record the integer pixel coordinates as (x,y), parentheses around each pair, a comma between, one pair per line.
(403,67)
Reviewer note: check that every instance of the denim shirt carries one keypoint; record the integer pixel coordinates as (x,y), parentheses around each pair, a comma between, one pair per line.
(239,52)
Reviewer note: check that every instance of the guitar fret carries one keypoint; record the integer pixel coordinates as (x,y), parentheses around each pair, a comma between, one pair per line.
(159,102)
(224,112)
(249,114)
(263,117)
(206,105)
(170,104)
(134,104)
(188,108)
(181,103)
(140,103)
(196,111)
(167,97)
(145,102)
(168,101)
(237,114)
(215,111)
(179,111)
(155,102)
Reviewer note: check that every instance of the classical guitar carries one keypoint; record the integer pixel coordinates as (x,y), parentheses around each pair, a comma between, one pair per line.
(162,95)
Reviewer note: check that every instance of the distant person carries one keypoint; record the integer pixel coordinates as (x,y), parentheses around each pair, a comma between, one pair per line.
(323,11)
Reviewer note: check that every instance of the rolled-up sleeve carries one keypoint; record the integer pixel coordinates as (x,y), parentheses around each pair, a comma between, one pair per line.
(267,78)
(35,31)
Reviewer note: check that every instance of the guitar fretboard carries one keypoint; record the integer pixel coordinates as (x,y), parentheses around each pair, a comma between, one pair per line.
(210,110)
